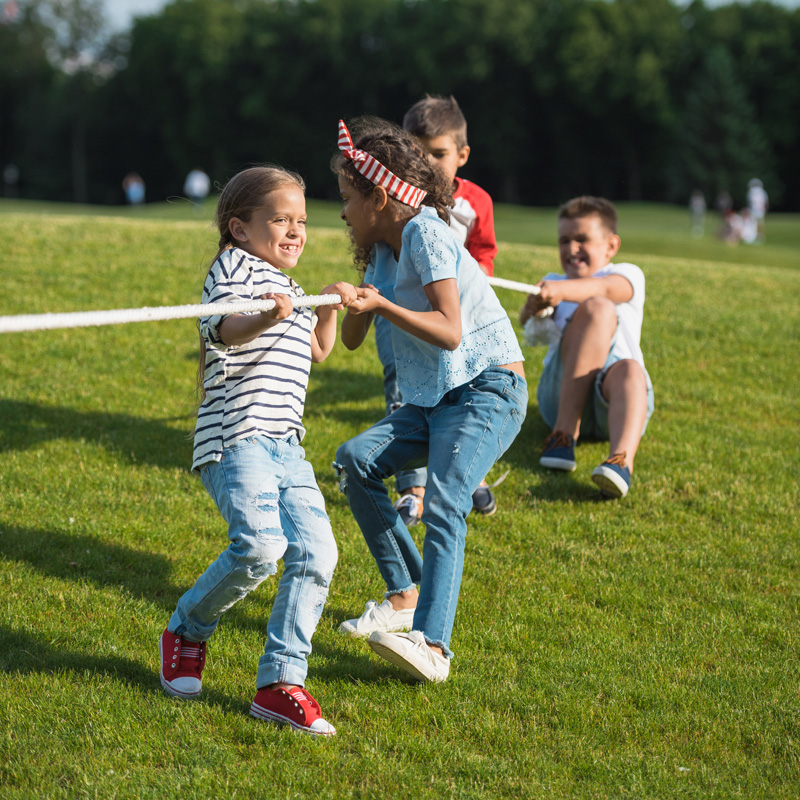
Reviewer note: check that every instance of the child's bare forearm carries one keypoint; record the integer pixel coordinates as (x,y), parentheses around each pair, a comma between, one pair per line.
(323,337)
(354,329)
(575,290)
(239,329)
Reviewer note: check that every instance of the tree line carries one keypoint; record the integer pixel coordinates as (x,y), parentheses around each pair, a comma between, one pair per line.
(632,99)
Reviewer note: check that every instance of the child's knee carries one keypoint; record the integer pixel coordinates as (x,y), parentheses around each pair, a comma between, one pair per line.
(597,309)
(625,377)
(258,552)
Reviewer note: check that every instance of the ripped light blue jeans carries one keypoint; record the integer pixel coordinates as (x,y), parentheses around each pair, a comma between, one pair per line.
(461,437)
(267,493)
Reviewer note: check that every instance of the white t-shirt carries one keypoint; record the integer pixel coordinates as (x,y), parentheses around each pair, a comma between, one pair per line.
(757,201)
(630,313)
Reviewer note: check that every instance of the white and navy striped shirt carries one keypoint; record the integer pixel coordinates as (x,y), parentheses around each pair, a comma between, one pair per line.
(259,387)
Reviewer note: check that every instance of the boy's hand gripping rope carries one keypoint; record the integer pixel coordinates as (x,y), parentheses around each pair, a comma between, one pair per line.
(85,319)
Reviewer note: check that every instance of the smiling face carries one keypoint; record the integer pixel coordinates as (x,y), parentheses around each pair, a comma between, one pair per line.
(444,151)
(585,245)
(276,231)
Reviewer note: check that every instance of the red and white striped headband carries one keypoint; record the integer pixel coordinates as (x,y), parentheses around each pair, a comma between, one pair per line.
(374,171)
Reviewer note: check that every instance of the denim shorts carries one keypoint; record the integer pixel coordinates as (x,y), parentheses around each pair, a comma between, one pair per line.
(594,422)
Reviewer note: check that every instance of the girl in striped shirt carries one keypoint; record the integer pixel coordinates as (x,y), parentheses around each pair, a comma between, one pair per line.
(254,370)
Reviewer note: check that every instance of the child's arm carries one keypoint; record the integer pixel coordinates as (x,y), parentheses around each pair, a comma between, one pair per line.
(239,329)
(575,290)
(356,323)
(440,327)
(323,337)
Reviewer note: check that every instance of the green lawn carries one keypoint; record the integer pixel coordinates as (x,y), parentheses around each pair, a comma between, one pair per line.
(641,649)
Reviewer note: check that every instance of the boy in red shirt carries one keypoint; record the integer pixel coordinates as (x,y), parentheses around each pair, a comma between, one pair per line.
(441,127)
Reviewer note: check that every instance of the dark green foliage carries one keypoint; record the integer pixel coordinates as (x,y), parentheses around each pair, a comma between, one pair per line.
(634,99)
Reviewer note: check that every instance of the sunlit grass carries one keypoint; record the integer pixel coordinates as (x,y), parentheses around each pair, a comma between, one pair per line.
(646,648)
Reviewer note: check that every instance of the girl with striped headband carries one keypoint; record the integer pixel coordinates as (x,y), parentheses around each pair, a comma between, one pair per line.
(459,368)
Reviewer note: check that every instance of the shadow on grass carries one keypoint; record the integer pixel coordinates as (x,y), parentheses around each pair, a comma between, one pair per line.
(23,653)
(81,558)
(331,389)
(136,439)
(552,485)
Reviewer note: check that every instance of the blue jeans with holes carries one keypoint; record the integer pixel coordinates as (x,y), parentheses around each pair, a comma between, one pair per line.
(463,436)
(267,493)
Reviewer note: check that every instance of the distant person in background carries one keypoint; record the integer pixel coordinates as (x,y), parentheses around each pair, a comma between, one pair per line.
(749,229)
(197,186)
(758,203)
(10,180)
(724,202)
(697,207)
(731,230)
(133,186)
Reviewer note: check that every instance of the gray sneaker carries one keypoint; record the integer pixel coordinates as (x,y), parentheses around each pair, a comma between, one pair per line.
(411,653)
(379,618)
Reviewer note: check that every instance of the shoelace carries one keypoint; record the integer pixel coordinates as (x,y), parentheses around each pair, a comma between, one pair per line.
(308,705)
(617,458)
(192,656)
(558,439)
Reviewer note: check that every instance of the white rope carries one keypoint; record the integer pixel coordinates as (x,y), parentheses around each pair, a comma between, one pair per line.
(85,319)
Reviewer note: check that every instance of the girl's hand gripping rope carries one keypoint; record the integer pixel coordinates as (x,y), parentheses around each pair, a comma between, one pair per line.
(346,291)
(281,310)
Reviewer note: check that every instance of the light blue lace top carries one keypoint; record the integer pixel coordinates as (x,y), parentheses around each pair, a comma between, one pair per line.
(430,252)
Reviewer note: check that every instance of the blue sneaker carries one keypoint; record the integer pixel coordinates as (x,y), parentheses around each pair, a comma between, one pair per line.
(559,452)
(484,501)
(612,476)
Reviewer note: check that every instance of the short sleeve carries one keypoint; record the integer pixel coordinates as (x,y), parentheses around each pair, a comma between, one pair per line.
(432,248)
(634,276)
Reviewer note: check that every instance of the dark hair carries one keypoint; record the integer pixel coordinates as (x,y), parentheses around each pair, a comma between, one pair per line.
(402,154)
(243,194)
(437,116)
(586,205)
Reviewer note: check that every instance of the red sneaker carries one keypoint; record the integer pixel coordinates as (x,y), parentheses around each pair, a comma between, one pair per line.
(182,665)
(295,707)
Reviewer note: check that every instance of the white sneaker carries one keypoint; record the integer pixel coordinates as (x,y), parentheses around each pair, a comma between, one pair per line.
(379,618)
(410,652)
(409,507)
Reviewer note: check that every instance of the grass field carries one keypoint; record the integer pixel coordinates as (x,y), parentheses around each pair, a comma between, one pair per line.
(641,649)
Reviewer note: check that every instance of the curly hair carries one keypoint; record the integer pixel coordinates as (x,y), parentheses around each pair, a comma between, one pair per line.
(401,153)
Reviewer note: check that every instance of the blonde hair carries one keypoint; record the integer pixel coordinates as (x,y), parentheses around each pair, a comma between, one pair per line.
(243,195)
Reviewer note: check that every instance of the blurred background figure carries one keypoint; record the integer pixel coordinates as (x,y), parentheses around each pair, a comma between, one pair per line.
(724,202)
(133,186)
(10,180)
(757,203)
(197,186)
(731,230)
(697,208)
(749,229)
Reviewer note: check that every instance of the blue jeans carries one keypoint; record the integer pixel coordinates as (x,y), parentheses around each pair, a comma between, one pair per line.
(462,436)
(405,478)
(267,493)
